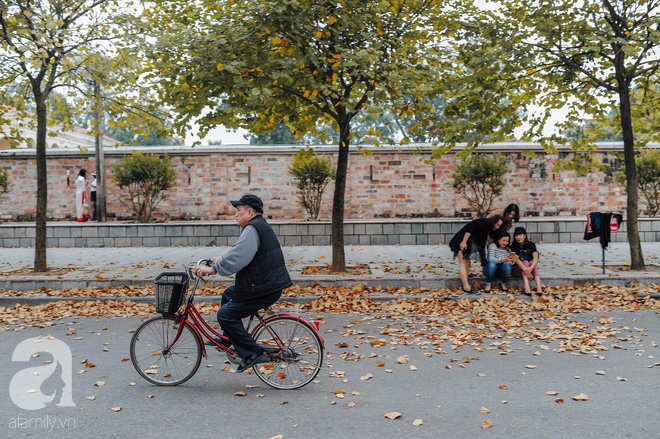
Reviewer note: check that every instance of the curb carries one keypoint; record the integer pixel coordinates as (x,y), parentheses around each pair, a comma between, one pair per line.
(36,283)
(43,300)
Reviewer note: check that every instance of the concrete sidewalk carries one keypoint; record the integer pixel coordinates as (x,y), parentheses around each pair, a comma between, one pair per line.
(430,266)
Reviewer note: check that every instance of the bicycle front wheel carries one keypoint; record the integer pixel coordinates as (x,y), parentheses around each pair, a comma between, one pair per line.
(154,363)
(298,361)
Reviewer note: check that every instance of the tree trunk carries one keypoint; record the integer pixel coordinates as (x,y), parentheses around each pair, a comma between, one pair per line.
(100,164)
(40,260)
(636,255)
(338,254)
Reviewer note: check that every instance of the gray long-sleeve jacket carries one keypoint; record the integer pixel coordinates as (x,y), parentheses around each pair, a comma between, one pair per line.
(240,254)
(495,254)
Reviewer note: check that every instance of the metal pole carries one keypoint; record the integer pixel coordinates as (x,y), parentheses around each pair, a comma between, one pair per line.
(603,260)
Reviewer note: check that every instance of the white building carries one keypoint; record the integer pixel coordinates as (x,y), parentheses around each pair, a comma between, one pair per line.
(56,137)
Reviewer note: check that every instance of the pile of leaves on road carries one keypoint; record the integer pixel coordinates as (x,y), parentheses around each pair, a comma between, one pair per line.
(436,320)
(448,317)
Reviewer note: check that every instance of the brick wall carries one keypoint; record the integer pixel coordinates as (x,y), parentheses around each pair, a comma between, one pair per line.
(388,183)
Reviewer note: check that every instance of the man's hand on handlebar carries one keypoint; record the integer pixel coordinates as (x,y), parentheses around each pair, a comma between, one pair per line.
(203,270)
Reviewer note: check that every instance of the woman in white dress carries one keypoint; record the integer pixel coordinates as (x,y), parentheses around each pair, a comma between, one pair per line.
(80,194)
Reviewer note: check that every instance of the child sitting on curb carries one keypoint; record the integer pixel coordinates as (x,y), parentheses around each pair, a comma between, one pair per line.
(499,260)
(527,265)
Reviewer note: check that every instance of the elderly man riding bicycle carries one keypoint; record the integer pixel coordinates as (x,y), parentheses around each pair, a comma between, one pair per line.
(261,275)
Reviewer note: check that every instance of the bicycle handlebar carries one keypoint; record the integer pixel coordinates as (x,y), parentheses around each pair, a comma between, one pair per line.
(189,267)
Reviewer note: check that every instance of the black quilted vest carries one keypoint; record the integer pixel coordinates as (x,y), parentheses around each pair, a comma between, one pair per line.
(267,272)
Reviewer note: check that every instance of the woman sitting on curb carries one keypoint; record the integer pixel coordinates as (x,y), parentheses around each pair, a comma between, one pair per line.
(527,265)
(499,261)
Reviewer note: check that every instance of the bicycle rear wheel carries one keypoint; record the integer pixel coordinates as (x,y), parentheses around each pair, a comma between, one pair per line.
(165,368)
(299,360)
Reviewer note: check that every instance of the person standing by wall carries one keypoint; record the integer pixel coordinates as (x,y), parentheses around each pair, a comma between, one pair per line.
(81,186)
(92,198)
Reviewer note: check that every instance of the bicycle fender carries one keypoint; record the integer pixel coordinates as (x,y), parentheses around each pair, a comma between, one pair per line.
(300,319)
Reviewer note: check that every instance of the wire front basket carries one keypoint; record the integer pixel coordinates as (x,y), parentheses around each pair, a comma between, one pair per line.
(170,291)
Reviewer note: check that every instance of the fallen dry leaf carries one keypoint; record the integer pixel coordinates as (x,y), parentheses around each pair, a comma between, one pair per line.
(116,409)
(240,393)
(393,415)
(484,410)
(417,422)
(581,397)
(487,424)
(403,359)
(99,383)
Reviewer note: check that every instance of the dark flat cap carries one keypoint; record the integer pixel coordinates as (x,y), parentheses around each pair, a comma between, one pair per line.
(250,200)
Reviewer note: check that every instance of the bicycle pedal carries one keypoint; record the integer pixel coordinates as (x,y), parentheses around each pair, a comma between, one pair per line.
(233,359)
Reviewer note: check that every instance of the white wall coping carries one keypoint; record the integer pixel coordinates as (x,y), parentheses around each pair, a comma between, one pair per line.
(506,147)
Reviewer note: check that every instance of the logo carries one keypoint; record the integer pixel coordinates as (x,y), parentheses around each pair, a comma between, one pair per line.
(25,386)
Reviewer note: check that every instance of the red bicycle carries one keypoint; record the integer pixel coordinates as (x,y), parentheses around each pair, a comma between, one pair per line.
(167,350)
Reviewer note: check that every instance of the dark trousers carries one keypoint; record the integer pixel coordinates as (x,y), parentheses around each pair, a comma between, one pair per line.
(230,317)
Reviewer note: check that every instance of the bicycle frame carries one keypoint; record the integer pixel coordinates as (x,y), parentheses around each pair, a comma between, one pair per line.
(202,329)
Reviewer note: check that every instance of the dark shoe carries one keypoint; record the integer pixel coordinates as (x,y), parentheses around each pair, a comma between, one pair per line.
(251,360)
(471,291)
(504,288)
(225,342)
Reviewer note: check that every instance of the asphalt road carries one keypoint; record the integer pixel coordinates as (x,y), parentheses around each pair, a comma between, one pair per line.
(622,385)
